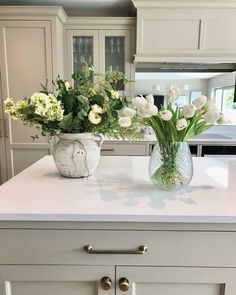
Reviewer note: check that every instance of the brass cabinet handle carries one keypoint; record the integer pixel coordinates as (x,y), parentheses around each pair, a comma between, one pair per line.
(107,150)
(124,284)
(106,283)
(139,250)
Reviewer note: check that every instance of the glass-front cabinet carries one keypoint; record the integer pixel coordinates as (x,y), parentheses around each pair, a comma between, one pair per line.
(106,50)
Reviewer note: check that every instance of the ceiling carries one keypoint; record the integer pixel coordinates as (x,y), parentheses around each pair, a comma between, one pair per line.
(83,7)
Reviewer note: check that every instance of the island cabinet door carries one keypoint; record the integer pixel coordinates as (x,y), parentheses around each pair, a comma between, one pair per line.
(57,280)
(175,281)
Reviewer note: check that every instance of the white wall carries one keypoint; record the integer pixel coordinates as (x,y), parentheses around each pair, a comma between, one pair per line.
(221,81)
(145,86)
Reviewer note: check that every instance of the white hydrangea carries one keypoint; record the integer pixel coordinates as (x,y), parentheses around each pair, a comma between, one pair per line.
(47,106)
(115,94)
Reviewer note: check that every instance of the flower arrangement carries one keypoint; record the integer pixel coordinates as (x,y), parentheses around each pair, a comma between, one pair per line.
(176,124)
(86,107)
(173,126)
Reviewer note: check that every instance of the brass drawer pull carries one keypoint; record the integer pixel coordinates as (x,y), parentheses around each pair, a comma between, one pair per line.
(139,250)
(107,150)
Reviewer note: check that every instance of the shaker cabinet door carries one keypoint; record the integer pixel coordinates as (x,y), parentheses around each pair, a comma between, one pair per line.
(55,280)
(175,280)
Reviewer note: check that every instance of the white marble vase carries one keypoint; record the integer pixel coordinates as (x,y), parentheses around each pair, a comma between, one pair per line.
(77,155)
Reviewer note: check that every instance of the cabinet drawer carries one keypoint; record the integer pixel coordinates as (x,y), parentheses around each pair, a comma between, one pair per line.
(123,149)
(167,248)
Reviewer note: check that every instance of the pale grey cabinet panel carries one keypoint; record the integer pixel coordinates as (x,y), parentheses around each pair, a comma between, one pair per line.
(25,61)
(58,280)
(177,280)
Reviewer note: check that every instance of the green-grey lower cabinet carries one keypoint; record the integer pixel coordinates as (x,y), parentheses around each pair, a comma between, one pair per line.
(119,280)
(56,280)
(175,281)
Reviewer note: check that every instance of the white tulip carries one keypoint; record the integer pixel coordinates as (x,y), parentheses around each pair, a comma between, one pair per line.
(189,110)
(172,93)
(211,117)
(125,122)
(128,112)
(97,109)
(94,118)
(211,105)
(139,102)
(67,85)
(181,124)
(165,115)
(199,102)
(148,110)
(150,98)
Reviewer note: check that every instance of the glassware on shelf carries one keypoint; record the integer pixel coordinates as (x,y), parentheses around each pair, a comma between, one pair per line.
(118,43)
(112,42)
(117,68)
(110,68)
(86,45)
(82,59)
(80,44)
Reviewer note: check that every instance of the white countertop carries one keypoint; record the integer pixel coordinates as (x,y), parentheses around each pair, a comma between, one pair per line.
(120,190)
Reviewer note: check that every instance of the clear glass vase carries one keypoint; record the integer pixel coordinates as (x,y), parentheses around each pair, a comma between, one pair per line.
(171,165)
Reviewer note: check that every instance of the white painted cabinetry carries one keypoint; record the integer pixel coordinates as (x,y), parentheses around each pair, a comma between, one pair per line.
(29,50)
(55,261)
(185,31)
(107,44)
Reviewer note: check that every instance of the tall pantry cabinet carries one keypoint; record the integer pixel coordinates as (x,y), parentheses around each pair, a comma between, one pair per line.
(31,52)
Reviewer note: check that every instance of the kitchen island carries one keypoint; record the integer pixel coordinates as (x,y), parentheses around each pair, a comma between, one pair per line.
(115,233)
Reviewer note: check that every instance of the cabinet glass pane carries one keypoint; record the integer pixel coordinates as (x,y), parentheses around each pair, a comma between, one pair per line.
(82,51)
(115,55)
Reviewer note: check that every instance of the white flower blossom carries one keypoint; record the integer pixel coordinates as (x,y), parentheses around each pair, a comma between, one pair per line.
(189,110)
(125,122)
(181,124)
(148,110)
(97,109)
(211,105)
(199,102)
(172,93)
(165,115)
(150,98)
(211,117)
(129,112)
(67,85)
(115,94)
(139,102)
(94,118)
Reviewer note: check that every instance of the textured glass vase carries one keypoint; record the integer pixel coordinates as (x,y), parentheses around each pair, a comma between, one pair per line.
(171,165)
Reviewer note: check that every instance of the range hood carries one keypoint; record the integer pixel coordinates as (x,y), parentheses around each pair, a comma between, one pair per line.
(185,67)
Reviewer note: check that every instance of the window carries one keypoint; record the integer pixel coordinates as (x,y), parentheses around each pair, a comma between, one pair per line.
(225,102)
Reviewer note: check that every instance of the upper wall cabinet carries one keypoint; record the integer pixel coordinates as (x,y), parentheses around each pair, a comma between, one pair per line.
(107,47)
(192,31)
